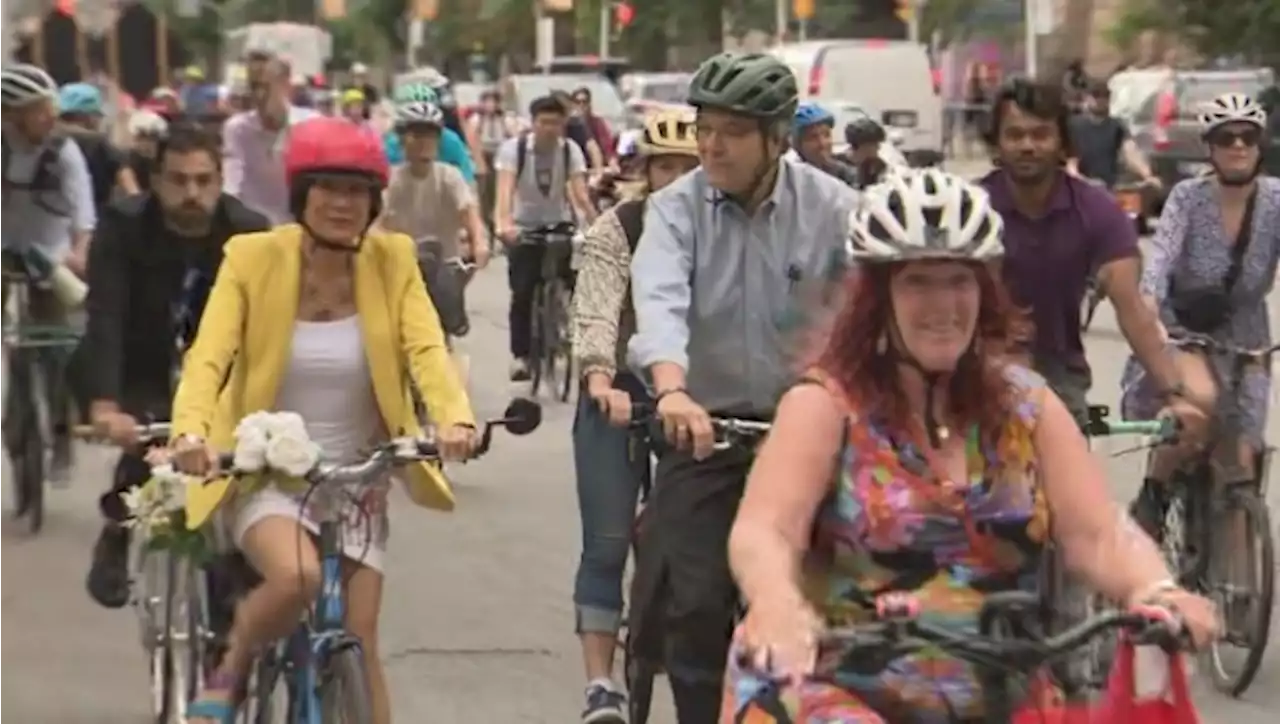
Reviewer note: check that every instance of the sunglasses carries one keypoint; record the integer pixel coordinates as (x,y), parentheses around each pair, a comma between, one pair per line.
(1226,139)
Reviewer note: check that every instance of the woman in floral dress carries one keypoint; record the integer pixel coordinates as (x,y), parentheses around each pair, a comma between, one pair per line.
(916,457)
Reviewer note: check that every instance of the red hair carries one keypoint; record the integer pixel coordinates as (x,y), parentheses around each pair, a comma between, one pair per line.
(980,391)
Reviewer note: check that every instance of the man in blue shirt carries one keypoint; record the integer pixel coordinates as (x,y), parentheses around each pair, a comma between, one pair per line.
(453,149)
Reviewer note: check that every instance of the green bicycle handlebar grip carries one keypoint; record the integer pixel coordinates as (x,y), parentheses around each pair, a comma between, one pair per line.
(1164,428)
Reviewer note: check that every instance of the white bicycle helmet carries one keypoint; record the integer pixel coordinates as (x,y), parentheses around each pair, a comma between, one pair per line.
(419,113)
(22,83)
(1231,108)
(925,214)
(147,123)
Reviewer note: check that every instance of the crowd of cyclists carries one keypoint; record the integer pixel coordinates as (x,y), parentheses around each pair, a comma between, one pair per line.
(913,337)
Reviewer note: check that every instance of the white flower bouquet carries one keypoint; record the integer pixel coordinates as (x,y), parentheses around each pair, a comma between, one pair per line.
(274,446)
(157,512)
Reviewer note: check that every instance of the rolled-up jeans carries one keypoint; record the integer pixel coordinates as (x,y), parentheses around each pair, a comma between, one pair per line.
(612,465)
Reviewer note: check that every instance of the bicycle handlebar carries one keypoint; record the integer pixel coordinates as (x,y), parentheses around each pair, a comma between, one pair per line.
(1164,429)
(1192,340)
(901,632)
(147,434)
(562,232)
(730,431)
(521,417)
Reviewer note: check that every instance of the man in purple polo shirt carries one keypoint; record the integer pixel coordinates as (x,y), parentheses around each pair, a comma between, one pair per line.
(1060,233)
(253,141)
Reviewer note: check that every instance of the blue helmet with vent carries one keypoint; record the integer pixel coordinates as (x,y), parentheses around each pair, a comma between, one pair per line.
(810,114)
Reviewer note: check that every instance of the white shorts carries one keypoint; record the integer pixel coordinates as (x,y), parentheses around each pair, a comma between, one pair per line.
(363,535)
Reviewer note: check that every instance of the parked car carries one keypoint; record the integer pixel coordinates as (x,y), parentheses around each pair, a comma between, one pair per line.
(1161,107)
(647,92)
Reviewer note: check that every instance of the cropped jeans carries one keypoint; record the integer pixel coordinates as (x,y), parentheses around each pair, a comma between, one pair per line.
(612,465)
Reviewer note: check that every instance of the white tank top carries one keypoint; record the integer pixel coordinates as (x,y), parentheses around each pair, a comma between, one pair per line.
(328,382)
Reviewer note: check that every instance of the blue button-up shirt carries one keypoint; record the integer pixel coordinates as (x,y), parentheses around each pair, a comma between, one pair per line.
(716,289)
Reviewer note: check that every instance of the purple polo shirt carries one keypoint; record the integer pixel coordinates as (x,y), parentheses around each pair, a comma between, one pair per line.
(1049,261)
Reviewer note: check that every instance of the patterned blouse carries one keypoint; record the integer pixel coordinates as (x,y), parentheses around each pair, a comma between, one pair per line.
(888,526)
(603,320)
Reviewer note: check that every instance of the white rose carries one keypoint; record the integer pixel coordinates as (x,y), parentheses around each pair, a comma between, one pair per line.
(254,424)
(251,451)
(289,424)
(292,455)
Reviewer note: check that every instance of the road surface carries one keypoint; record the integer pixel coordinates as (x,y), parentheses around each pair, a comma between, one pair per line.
(477,623)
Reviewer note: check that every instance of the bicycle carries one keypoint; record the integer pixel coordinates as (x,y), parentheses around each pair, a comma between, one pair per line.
(1008,642)
(1193,508)
(35,390)
(170,596)
(550,344)
(1086,671)
(321,663)
(640,672)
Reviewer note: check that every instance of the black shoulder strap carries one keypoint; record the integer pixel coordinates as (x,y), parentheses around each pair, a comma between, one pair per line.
(1241,246)
(631,218)
(564,153)
(521,152)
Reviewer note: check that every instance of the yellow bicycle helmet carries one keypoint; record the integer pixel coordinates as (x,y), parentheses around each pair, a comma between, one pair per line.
(670,131)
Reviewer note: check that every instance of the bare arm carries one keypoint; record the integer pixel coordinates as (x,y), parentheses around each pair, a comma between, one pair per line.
(1135,160)
(1138,320)
(791,475)
(1098,540)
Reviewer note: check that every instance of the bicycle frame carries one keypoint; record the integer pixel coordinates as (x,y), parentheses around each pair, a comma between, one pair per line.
(1206,501)
(305,652)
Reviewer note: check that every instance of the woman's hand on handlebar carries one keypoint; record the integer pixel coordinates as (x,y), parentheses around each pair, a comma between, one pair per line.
(1196,614)
(457,442)
(613,403)
(780,638)
(193,456)
(686,424)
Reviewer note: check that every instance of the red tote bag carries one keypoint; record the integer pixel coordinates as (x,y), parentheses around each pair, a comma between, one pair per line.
(1121,704)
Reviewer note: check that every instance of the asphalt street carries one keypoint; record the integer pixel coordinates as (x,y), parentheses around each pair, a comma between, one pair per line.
(477,621)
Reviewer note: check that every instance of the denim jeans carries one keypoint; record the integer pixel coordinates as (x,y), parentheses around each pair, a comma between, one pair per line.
(611,464)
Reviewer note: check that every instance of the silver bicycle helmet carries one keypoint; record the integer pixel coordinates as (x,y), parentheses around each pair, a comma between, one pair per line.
(1232,108)
(415,113)
(924,214)
(22,83)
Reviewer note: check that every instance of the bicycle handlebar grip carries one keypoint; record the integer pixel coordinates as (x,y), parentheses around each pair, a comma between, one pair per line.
(897,605)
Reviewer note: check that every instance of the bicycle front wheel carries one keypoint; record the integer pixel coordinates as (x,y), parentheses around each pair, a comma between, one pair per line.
(344,689)
(537,343)
(1244,588)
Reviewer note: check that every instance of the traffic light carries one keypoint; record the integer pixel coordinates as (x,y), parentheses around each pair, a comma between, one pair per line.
(905,10)
(623,14)
(802,9)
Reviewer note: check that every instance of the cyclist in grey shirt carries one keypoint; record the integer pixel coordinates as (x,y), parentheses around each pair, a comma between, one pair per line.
(46,215)
(545,183)
(727,254)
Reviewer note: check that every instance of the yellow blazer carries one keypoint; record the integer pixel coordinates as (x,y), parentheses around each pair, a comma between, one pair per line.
(245,337)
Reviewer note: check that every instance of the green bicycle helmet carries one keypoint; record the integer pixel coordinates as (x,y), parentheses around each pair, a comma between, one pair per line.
(753,84)
(417,93)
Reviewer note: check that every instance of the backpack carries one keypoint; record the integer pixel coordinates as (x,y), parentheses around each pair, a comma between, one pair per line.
(631,217)
(522,152)
(46,179)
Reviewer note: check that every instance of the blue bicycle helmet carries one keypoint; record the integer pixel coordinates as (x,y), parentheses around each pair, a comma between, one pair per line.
(79,99)
(810,114)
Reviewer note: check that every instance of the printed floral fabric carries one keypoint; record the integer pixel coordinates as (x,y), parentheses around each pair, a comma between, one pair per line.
(888,526)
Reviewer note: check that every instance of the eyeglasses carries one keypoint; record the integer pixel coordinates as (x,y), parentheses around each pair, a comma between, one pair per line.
(1226,139)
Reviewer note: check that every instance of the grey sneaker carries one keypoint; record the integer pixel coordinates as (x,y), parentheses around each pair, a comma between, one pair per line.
(519,370)
(604,706)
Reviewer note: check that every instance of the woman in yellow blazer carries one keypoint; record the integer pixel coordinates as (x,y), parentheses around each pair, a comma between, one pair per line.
(331,321)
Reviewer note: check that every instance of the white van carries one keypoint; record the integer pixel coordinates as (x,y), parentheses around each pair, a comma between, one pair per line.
(890,78)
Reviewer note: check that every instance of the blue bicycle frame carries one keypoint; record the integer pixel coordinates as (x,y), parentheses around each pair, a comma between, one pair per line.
(305,654)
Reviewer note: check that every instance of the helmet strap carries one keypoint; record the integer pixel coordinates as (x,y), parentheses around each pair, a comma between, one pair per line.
(936,431)
(766,174)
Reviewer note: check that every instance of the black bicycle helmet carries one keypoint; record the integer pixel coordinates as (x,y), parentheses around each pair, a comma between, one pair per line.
(753,84)
(863,131)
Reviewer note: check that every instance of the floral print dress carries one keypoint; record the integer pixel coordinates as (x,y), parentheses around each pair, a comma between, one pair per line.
(1191,251)
(888,526)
